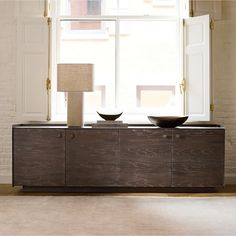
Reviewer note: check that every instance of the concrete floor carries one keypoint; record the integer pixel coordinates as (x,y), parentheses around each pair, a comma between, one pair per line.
(140,214)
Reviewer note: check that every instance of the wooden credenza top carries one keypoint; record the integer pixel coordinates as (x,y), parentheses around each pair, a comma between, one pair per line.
(132,126)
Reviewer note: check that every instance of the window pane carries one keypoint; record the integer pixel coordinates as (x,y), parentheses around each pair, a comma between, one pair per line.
(148,67)
(155,98)
(97,47)
(147,7)
(81,7)
(119,7)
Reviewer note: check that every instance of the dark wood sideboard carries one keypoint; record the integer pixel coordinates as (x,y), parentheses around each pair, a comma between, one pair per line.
(135,157)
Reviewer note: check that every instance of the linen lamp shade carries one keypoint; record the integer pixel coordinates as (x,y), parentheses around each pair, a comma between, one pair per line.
(75,79)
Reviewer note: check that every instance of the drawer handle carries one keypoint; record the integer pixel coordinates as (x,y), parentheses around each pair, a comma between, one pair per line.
(72,136)
(177,136)
(59,135)
(165,136)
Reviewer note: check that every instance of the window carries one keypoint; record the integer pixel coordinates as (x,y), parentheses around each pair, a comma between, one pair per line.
(136,55)
(135,47)
(130,50)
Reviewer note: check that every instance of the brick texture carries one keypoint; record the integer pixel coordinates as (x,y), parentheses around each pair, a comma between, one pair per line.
(224,82)
(7,85)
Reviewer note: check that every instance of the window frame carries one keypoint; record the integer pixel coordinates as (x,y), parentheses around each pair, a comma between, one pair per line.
(116,18)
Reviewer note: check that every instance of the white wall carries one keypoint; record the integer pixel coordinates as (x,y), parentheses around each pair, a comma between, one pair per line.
(7,84)
(224,77)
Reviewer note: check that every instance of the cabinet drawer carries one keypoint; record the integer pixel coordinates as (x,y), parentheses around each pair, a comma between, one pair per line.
(198,158)
(39,157)
(92,157)
(145,157)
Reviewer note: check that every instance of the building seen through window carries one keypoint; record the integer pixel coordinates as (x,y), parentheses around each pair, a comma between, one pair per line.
(135,52)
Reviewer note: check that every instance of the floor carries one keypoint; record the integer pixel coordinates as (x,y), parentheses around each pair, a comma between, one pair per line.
(228,190)
(123,214)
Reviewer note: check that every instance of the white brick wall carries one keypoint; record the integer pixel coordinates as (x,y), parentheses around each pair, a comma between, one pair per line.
(7,85)
(224,79)
(224,71)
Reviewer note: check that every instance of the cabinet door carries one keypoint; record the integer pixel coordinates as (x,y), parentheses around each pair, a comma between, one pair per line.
(145,157)
(198,158)
(92,157)
(38,157)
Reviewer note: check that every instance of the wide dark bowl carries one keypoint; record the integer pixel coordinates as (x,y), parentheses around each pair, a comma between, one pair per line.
(110,116)
(167,121)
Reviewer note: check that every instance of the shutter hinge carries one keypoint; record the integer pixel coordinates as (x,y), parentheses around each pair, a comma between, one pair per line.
(212,24)
(191,13)
(48,117)
(48,87)
(49,20)
(212,107)
(48,84)
(45,12)
(182,86)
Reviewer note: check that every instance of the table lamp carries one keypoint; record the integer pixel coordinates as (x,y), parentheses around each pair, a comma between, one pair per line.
(75,79)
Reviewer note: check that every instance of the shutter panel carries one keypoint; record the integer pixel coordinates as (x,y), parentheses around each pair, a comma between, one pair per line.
(197,67)
(32,61)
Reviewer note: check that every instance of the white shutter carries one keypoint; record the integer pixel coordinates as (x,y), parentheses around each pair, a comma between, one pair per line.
(32,61)
(197,67)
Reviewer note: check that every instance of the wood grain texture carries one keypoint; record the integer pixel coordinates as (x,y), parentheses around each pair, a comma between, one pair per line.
(198,158)
(92,157)
(197,174)
(133,157)
(145,157)
(39,157)
(198,145)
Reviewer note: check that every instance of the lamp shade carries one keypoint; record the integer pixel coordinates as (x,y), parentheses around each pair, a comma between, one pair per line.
(75,77)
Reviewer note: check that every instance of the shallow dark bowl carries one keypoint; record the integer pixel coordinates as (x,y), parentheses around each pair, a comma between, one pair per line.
(110,116)
(167,121)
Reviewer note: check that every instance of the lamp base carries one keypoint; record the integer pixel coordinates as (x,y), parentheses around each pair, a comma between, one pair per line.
(75,109)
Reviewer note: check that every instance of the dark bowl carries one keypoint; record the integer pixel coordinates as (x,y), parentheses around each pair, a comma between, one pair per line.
(167,121)
(110,116)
